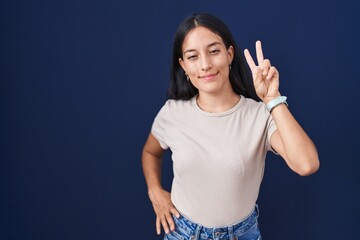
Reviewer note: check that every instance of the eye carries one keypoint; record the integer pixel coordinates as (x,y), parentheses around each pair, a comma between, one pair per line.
(216,51)
(192,57)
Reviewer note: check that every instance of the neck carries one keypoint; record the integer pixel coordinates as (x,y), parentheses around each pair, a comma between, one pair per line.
(215,103)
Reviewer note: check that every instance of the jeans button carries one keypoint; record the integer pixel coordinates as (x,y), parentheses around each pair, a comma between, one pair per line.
(217,234)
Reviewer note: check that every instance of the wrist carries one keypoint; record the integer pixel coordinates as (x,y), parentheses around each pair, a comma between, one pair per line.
(153,192)
(266,100)
(155,189)
(270,105)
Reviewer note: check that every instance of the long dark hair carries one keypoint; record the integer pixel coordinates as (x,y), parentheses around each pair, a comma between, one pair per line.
(240,76)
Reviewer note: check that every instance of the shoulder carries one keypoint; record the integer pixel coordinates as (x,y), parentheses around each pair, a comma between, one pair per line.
(174,110)
(176,106)
(253,106)
(255,111)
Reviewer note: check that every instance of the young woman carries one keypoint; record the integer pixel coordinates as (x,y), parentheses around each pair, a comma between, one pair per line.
(219,123)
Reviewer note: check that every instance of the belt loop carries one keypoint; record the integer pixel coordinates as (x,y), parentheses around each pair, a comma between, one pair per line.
(230,232)
(197,231)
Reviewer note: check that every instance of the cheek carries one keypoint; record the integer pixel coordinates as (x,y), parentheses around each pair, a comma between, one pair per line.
(191,70)
(222,62)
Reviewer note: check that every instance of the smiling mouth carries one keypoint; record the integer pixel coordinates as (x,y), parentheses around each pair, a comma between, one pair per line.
(209,76)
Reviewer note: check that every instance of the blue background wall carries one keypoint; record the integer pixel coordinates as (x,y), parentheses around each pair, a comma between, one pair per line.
(80,84)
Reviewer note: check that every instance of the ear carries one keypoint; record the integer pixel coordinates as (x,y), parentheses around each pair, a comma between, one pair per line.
(181,62)
(230,51)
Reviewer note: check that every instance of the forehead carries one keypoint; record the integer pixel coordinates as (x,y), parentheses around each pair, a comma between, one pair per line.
(200,37)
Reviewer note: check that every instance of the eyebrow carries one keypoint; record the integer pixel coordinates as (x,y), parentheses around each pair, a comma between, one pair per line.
(210,45)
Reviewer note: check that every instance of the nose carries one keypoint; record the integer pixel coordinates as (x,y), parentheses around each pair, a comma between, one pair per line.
(205,63)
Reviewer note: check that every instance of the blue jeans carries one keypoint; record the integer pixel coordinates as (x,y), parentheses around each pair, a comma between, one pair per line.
(245,230)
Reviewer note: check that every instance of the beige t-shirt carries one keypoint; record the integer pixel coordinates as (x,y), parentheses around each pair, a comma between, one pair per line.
(218,158)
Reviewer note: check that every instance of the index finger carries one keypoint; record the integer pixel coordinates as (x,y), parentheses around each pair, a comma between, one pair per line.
(249,59)
(259,54)
(175,212)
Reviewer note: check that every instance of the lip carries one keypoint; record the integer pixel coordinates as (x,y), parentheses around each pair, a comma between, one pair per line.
(209,76)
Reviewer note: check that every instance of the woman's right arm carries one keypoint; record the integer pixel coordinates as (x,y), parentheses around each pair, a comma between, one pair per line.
(160,199)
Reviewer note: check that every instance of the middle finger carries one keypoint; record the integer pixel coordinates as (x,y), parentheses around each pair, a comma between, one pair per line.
(170,222)
(259,54)
(164,224)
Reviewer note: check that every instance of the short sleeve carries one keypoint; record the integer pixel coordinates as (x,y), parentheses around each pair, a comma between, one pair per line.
(158,129)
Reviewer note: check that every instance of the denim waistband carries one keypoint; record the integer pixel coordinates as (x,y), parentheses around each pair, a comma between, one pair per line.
(197,231)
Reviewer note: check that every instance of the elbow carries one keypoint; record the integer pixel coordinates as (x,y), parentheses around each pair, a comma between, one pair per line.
(310,167)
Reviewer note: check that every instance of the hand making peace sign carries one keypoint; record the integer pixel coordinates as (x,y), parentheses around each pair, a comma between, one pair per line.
(265,76)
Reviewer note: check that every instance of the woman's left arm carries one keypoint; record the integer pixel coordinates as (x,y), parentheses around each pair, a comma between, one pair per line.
(289,140)
(292,143)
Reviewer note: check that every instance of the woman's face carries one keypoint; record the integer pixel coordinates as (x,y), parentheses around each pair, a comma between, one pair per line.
(206,61)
